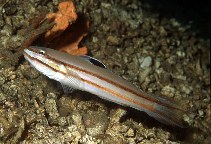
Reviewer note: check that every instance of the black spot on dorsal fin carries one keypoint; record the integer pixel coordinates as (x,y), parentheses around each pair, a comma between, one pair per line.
(93,61)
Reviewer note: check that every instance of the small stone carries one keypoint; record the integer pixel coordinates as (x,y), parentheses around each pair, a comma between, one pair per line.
(174,22)
(51,108)
(62,121)
(94,39)
(1,21)
(146,62)
(130,133)
(201,113)
(97,17)
(7,30)
(116,115)
(10,8)
(95,125)
(168,91)
(188,119)
(186,89)
(157,63)
(77,120)
(143,74)
(180,54)
(113,40)
(2,80)
(2,97)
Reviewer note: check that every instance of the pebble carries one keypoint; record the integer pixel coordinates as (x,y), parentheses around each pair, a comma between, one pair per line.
(130,132)
(143,74)
(201,113)
(146,62)
(113,40)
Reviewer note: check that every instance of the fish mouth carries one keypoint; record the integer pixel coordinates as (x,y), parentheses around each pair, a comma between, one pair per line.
(26,54)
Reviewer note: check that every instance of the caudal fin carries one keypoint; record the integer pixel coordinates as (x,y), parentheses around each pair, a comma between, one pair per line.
(168,112)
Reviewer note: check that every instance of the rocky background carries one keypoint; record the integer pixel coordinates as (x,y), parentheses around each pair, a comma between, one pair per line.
(163,48)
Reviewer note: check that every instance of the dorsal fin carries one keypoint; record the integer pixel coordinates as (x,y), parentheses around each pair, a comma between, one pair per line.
(93,61)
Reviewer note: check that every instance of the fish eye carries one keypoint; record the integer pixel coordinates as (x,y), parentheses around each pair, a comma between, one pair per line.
(41,52)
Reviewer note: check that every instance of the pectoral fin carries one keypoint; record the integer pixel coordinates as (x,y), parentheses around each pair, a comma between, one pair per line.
(67,89)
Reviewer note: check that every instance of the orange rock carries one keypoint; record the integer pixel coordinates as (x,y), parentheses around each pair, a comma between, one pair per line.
(65,16)
(73,36)
(67,32)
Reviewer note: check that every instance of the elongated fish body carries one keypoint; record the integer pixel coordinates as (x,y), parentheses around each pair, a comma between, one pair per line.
(79,73)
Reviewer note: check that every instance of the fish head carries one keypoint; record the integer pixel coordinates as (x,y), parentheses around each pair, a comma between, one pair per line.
(39,58)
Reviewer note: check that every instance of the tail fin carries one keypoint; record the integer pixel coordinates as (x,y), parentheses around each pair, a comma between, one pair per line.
(168,112)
